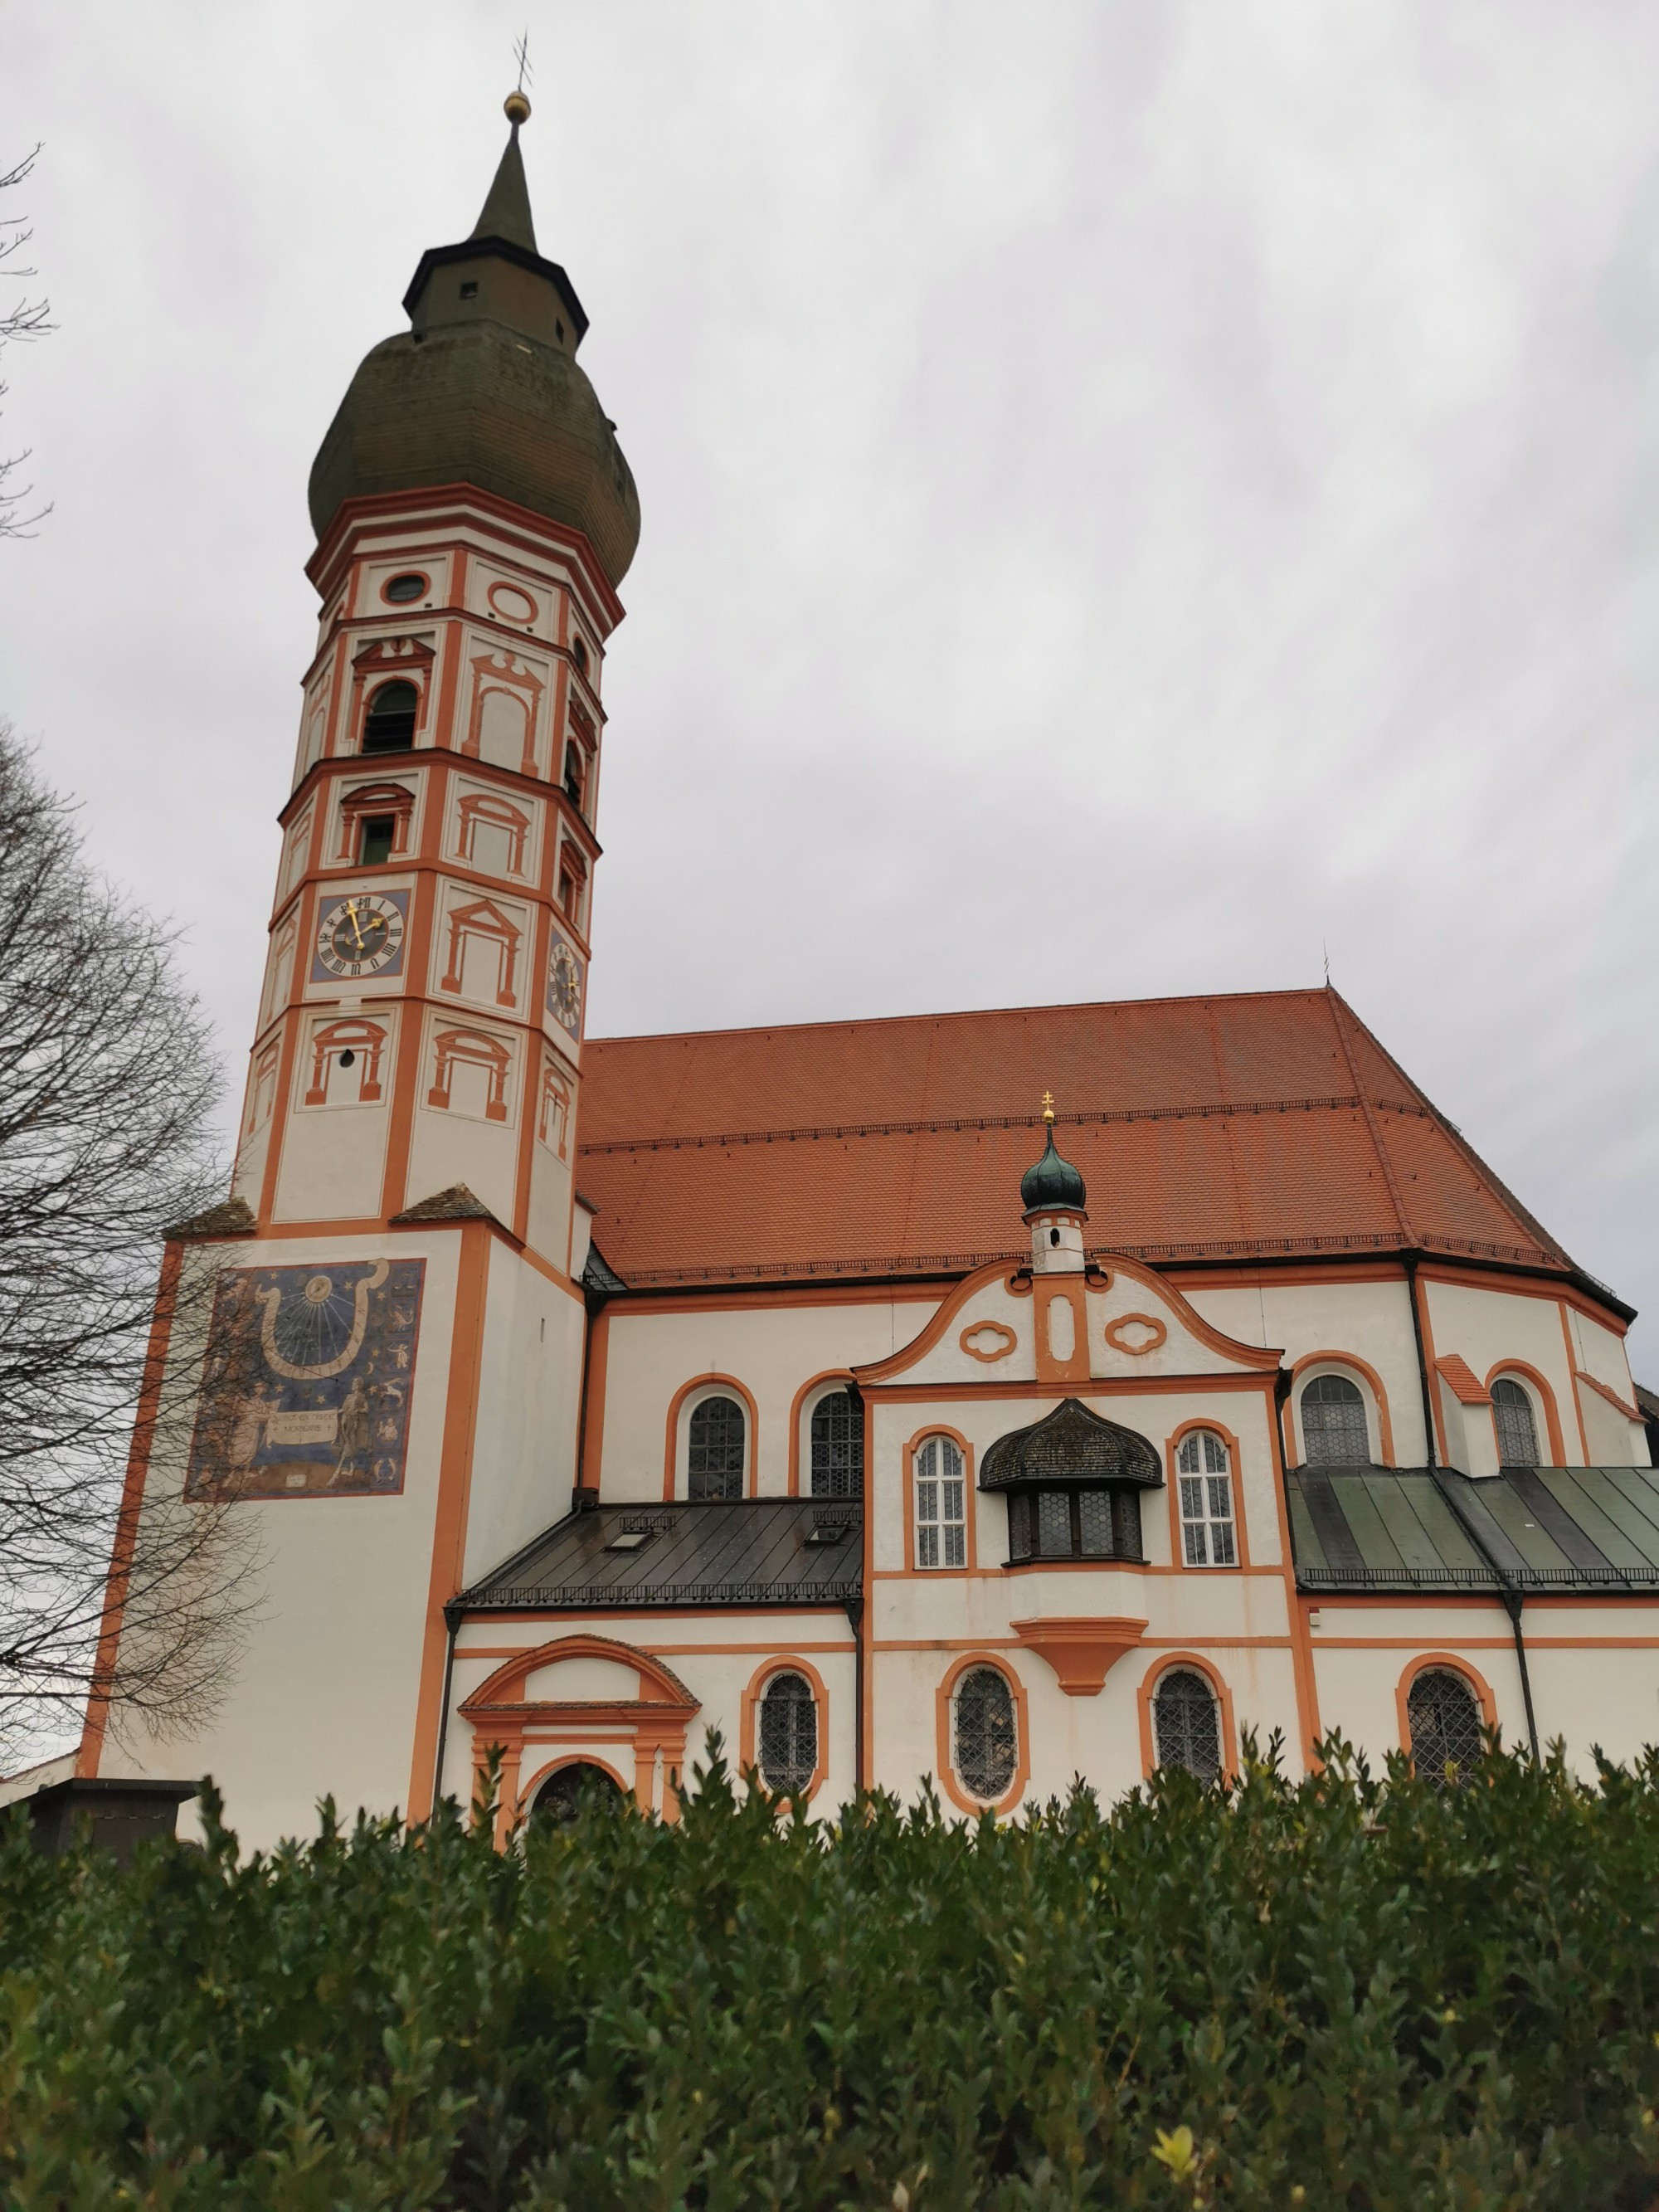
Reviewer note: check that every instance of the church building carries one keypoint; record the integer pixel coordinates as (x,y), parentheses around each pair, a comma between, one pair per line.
(999,1397)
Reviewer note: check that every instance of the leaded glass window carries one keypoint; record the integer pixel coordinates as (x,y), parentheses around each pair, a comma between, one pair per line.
(984,1732)
(837,1446)
(941,1506)
(1054,1523)
(714,1455)
(1444,1722)
(1094,1513)
(1333,1426)
(1076,1522)
(1186,1726)
(788,1734)
(1206,1501)
(1517,1432)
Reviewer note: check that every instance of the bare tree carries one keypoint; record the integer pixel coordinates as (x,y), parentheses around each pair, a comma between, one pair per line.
(107,1083)
(25,319)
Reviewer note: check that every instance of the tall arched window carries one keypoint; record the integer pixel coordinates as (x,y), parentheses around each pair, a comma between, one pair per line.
(1517,1432)
(788,1734)
(575,780)
(714,1458)
(1333,1426)
(941,1506)
(389,725)
(984,1734)
(1206,1501)
(1186,1726)
(1444,1720)
(837,1446)
(571,1790)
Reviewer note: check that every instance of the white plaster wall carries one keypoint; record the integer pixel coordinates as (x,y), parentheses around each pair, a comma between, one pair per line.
(772,1350)
(1372,1319)
(1489,1325)
(322,1697)
(523,1462)
(333,1164)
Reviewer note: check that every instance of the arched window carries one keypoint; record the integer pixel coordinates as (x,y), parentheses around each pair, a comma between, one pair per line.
(837,1446)
(572,1790)
(575,780)
(1186,1726)
(984,1734)
(1333,1427)
(941,1506)
(1206,1501)
(389,725)
(788,1734)
(713,1465)
(1443,1717)
(1517,1432)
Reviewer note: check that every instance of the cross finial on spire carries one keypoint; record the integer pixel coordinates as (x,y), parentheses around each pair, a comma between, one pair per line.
(1048,1105)
(522,55)
(516,106)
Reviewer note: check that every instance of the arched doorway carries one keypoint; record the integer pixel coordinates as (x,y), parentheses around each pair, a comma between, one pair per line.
(571,1790)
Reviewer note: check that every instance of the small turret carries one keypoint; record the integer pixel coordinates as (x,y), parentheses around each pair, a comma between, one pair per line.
(1054,1199)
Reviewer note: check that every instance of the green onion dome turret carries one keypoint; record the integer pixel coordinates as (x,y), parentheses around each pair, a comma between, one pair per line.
(484,388)
(1053,1185)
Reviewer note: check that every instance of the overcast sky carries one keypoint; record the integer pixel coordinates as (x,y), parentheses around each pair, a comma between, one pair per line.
(1134,492)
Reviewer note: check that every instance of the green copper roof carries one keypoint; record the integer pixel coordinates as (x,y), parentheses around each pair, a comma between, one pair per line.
(1053,1185)
(506,213)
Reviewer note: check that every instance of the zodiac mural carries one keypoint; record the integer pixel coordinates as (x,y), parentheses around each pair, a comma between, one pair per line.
(307,1386)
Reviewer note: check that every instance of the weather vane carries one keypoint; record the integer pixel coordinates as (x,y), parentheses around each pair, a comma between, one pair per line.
(522,55)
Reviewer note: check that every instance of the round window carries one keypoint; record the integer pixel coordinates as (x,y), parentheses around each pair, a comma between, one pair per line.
(402,589)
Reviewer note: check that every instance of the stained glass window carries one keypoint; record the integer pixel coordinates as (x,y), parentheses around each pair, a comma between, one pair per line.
(714,1459)
(1517,1432)
(1333,1426)
(837,1446)
(984,1730)
(788,1734)
(941,1506)
(1444,1721)
(1186,1727)
(1206,1501)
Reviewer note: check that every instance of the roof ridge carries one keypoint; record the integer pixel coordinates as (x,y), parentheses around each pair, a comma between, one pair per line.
(1373,1127)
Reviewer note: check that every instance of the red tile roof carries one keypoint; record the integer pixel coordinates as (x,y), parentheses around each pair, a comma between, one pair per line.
(1207,1129)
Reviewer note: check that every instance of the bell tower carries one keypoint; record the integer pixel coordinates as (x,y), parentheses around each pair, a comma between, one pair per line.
(399,1263)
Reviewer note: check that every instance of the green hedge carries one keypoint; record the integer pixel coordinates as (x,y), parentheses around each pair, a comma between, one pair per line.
(1354,1992)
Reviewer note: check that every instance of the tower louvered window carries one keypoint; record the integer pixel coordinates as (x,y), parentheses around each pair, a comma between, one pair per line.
(1517,1432)
(714,1458)
(1206,1501)
(1444,1721)
(837,1446)
(1186,1727)
(389,725)
(1333,1426)
(984,1729)
(788,1734)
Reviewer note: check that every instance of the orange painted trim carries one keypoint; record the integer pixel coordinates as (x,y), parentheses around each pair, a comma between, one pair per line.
(1236,1480)
(1462,1380)
(1453,1664)
(528,1790)
(1147,1643)
(1502,1284)
(447,1575)
(1169,1662)
(878,1370)
(748,1725)
(1093,1386)
(657,1684)
(1360,1367)
(1552,1416)
(981,1656)
(1496,1643)
(96,1722)
(598,1369)
(1082,1651)
(1419,1298)
(1572,1369)
(1115,1326)
(841,1376)
(713,1384)
(842,1646)
(293,1016)
(970,1532)
(1114,1264)
(1302,1665)
(1602,1390)
(1009,1342)
(1048,1292)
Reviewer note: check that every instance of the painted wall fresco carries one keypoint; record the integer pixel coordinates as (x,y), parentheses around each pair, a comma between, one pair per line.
(306,1387)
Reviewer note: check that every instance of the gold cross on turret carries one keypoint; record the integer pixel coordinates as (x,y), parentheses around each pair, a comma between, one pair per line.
(1048,1105)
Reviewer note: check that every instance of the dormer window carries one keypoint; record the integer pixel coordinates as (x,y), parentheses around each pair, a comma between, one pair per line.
(376,838)
(389,725)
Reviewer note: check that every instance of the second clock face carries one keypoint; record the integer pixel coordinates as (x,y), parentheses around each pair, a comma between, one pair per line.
(360,935)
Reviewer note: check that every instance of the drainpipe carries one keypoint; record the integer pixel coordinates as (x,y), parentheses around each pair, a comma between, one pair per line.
(453,1612)
(1511,1599)
(1512,1607)
(855,1620)
(1410,1260)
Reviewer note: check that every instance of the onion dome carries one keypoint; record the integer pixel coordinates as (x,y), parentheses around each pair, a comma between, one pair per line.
(1054,1185)
(484,388)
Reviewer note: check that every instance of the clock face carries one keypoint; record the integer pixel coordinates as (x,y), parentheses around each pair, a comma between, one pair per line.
(360,935)
(564,986)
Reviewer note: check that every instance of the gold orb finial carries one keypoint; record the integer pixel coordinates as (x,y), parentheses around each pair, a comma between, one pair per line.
(516,108)
(1049,1106)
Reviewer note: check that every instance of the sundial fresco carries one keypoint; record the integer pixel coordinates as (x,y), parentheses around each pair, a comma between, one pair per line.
(308,1383)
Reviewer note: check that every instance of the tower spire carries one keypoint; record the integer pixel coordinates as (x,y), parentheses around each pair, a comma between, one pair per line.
(506,211)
